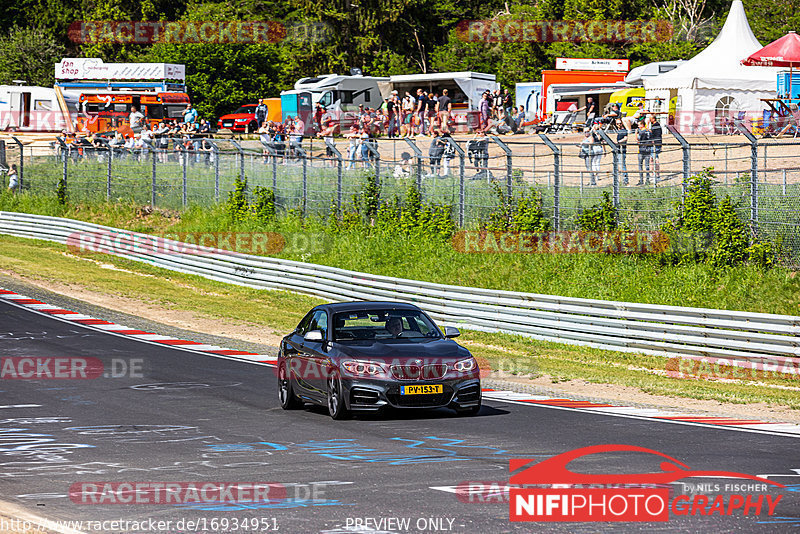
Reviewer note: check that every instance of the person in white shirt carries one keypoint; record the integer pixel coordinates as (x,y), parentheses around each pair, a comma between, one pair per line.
(136,119)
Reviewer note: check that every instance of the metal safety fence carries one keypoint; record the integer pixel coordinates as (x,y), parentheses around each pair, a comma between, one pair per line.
(466,173)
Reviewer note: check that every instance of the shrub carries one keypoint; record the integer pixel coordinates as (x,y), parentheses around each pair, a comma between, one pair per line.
(522,213)
(705,230)
(600,217)
(264,208)
(237,207)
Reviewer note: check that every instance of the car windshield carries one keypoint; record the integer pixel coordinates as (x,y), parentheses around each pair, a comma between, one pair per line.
(246,109)
(383,325)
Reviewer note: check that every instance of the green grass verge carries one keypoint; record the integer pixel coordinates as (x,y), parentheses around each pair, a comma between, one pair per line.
(609,277)
(280,312)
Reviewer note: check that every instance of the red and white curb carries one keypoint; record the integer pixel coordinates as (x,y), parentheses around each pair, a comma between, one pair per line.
(686,418)
(100,324)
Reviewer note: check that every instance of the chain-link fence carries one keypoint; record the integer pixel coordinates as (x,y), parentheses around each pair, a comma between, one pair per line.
(762,176)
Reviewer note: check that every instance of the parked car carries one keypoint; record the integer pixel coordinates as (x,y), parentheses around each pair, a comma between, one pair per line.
(366,356)
(243,120)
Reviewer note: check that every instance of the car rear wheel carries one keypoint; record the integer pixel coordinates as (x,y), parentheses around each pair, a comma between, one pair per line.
(289,400)
(336,407)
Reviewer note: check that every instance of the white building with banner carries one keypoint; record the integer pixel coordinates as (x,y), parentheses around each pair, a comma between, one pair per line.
(714,87)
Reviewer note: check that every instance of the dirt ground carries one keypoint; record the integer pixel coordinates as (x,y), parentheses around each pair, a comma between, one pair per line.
(575,389)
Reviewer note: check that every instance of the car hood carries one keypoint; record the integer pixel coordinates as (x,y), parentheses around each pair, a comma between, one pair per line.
(434,349)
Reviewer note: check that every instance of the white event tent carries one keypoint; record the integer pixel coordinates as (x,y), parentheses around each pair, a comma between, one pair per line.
(714,86)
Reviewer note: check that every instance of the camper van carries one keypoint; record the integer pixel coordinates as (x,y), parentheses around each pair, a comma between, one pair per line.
(340,93)
(341,96)
(26,108)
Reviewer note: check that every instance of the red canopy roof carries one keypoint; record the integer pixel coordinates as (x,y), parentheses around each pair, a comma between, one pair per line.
(785,52)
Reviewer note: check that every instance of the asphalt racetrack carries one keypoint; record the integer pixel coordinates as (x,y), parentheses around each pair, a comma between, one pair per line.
(172,416)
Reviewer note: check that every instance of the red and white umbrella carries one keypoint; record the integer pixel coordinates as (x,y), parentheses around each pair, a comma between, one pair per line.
(785,52)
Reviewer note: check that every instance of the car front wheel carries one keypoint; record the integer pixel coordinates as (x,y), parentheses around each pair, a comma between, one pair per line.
(289,400)
(336,407)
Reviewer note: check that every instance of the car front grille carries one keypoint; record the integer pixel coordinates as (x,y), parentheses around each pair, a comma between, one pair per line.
(420,401)
(227,124)
(419,372)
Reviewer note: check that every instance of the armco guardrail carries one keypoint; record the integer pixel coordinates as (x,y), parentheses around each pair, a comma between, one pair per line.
(762,339)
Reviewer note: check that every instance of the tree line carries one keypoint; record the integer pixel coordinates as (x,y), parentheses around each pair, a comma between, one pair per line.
(381,37)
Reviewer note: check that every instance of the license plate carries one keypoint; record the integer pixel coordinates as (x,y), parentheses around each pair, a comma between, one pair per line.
(426,389)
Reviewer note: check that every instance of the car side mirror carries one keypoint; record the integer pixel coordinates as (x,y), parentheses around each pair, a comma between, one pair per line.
(451,331)
(313,335)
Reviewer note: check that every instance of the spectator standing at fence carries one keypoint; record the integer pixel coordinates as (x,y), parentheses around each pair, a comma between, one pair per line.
(478,153)
(622,142)
(261,112)
(655,152)
(299,129)
(354,136)
(586,151)
(597,154)
(136,119)
(449,153)
(436,151)
(643,137)
(13,179)
(365,144)
(189,114)
(117,141)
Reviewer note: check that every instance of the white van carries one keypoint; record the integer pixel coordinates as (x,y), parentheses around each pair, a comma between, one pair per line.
(26,108)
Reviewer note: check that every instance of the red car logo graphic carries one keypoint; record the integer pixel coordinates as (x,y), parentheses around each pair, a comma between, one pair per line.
(554,470)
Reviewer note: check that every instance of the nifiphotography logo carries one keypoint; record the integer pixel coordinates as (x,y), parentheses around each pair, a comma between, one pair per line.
(563,495)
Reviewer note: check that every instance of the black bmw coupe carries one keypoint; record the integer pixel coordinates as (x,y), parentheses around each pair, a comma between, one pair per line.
(364,356)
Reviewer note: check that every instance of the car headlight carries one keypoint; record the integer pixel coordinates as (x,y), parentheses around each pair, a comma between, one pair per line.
(241,120)
(464,366)
(363,368)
